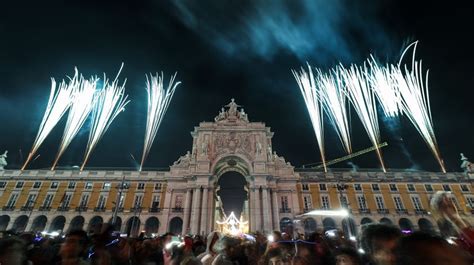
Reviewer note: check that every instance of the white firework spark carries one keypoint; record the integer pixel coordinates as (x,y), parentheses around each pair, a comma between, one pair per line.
(415,101)
(308,88)
(331,91)
(110,102)
(83,101)
(386,90)
(59,102)
(362,98)
(158,102)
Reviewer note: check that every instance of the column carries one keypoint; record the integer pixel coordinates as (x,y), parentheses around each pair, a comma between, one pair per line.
(211,205)
(166,211)
(187,211)
(204,212)
(276,211)
(267,217)
(195,211)
(295,203)
(258,211)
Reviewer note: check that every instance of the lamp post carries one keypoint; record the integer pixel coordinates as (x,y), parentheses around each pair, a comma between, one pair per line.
(117,201)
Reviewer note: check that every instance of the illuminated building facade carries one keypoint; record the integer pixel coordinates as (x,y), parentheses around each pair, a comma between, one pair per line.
(184,198)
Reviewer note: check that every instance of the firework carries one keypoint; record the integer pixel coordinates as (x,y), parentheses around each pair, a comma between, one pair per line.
(415,100)
(334,101)
(384,87)
(308,87)
(59,102)
(158,102)
(83,100)
(110,102)
(362,98)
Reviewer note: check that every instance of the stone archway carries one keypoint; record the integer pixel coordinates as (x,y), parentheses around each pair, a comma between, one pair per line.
(95,224)
(77,223)
(176,225)
(4,220)
(39,223)
(133,226)
(20,223)
(57,223)
(151,226)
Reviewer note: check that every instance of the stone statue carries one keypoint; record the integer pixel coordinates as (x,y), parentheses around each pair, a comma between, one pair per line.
(232,108)
(221,115)
(3,160)
(466,165)
(258,147)
(243,116)
(204,148)
(269,153)
(183,159)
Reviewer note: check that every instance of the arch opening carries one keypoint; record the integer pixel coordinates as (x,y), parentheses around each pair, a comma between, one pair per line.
(232,191)
(176,225)
(39,223)
(77,223)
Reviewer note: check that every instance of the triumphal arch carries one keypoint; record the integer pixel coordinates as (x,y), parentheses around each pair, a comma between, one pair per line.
(231,143)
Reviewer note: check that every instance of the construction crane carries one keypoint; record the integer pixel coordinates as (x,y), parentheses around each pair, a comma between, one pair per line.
(347,157)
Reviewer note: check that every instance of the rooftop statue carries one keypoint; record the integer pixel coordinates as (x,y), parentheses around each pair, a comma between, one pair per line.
(232,107)
(3,160)
(466,165)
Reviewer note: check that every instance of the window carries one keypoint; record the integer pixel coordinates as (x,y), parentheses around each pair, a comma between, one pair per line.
(3,184)
(411,187)
(379,202)
(12,201)
(455,202)
(121,201)
(155,203)
(325,202)
(19,184)
(88,186)
(157,186)
(106,186)
(307,202)
(428,187)
(178,203)
(470,201)
(417,203)
(357,187)
(464,188)
(48,200)
(344,201)
(284,202)
(101,202)
(84,200)
(446,187)
(66,200)
(54,185)
(375,187)
(71,185)
(361,202)
(398,203)
(322,187)
(37,185)
(393,187)
(141,186)
(30,202)
(305,186)
(138,201)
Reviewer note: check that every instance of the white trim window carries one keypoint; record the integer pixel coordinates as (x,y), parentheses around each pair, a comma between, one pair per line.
(84,200)
(30,201)
(417,203)
(308,205)
(305,187)
(66,200)
(12,200)
(155,203)
(138,201)
(325,204)
(470,201)
(379,202)
(48,200)
(398,203)
(361,202)
(141,186)
(101,201)
(284,202)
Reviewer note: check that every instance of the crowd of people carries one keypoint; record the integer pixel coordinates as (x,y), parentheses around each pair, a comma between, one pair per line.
(376,244)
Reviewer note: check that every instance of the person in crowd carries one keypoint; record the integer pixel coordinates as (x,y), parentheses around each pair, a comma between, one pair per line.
(228,249)
(180,255)
(445,212)
(73,249)
(274,256)
(421,248)
(12,251)
(346,256)
(378,242)
(210,254)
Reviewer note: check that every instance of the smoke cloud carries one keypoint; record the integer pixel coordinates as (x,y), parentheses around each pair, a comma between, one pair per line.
(316,30)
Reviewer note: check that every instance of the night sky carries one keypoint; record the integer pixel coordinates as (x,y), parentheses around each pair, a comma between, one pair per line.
(222,49)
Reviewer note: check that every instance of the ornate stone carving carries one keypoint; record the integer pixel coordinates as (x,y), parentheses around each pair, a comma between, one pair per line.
(183,161)
(3,160)
(232,115)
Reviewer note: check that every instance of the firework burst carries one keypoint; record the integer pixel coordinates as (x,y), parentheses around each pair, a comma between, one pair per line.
(83,101)
(59,102)
(158,102)
(110,102)
(362,98)
(309,90)
(415,101)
